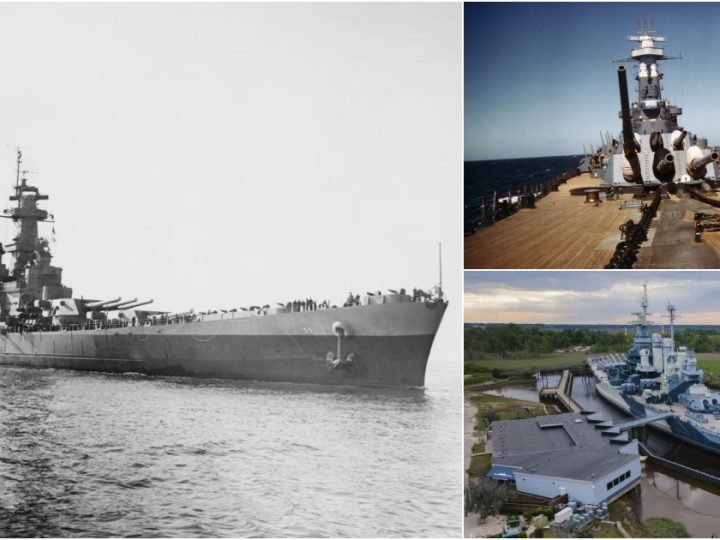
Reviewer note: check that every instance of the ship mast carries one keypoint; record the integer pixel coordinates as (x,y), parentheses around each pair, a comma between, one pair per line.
(19,162)
(642,316)
(27,215)
(440,289)
(671,310)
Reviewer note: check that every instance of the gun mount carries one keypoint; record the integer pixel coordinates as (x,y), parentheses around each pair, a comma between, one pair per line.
(696,162)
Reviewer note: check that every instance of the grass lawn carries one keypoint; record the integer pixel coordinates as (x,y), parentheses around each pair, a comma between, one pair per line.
(505,408)
(620,511)
(478,448)
(603,530)
(540,361)
(479,465)
(710,364)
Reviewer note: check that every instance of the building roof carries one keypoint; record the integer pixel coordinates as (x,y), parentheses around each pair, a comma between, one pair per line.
(562,445)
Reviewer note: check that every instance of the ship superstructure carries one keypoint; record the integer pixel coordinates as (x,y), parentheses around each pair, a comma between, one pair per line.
(377,339)
(655,376)
(652,148)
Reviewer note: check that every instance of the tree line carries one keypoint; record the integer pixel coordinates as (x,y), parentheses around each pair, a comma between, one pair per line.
(514,340)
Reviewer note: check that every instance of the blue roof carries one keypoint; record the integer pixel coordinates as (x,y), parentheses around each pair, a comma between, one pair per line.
(501,472)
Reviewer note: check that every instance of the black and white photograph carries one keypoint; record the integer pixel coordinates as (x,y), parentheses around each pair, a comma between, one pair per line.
(230,271)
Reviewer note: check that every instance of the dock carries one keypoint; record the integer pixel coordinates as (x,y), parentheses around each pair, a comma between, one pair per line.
(564,231)
(679,468)
(562,392)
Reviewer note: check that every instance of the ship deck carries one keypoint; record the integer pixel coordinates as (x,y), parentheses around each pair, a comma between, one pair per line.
(563,231)
(712,424)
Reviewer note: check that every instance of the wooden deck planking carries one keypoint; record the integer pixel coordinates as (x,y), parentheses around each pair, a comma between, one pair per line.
(561,232)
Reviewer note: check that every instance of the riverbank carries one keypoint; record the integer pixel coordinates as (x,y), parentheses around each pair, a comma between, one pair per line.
(479,409)
(472,528)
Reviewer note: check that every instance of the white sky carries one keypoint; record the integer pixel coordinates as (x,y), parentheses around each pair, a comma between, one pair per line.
(224,155)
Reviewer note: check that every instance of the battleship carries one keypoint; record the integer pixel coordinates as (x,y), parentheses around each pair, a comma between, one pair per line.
(643,199)
(379,339)
(655,379)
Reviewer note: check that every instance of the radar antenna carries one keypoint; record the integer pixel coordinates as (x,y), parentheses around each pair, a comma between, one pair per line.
(645,24)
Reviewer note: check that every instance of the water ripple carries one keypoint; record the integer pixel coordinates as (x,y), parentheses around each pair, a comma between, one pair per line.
(90,454)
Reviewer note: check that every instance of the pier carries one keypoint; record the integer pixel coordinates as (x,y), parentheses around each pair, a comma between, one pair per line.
(679,468)
(562,392)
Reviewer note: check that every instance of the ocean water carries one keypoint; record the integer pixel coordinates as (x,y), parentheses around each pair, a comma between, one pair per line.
(93,454)
(501,175)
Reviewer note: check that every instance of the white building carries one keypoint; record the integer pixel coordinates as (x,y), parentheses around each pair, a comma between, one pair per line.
(549,455)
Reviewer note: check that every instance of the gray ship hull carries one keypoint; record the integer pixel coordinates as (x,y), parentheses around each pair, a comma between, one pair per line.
(679,429)
(389,343)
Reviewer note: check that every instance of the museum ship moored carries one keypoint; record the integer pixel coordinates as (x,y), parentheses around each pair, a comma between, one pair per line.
(655,377)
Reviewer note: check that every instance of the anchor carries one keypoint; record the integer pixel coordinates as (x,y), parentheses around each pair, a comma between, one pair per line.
(336,360)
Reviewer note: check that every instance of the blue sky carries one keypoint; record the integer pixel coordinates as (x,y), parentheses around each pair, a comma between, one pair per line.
(589,296)
(539,79)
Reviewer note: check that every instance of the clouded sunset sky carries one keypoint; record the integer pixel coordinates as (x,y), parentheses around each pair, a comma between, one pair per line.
(589,297)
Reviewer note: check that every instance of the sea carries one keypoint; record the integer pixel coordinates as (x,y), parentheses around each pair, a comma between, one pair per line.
(99,455)
(501,175)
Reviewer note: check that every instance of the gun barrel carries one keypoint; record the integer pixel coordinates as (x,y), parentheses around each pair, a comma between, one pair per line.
(701,161)
(678,142)
(116,305)
(138,304)
(628,136)
(94,305)
(664,165)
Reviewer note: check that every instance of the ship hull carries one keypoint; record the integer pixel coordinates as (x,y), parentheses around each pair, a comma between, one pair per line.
(388,345)
(673,427)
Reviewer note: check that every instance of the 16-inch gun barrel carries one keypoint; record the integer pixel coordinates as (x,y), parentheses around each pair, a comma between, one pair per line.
(664,169)
(628,136)
(630,162)
(94,305)
(133,306)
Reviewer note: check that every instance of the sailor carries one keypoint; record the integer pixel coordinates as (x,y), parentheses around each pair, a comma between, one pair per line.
(350,300)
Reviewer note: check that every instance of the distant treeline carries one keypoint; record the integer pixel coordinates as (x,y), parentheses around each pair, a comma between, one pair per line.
(512,340)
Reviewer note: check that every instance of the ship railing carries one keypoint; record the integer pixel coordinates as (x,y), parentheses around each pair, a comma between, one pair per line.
(486,209)
(697,417)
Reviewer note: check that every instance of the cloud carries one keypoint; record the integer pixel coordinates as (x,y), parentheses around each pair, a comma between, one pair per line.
(588,296)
